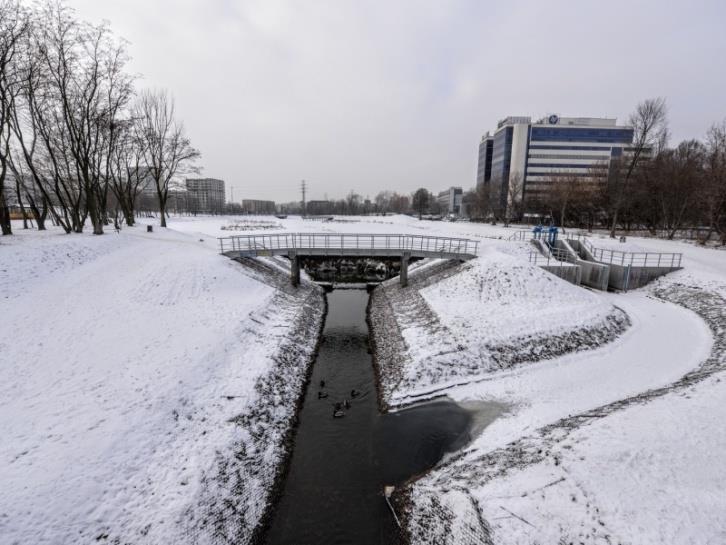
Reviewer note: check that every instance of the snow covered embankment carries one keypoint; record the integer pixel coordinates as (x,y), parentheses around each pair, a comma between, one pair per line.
(455,323)
(148,388)
(644,469)
(236,495)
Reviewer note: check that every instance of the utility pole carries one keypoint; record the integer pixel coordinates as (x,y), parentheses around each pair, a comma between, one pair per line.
(303,188)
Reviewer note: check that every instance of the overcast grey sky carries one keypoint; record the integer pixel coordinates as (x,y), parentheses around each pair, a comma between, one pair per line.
(372,95)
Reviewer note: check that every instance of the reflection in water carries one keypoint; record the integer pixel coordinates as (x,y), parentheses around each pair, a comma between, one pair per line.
(345,451)
(351,269)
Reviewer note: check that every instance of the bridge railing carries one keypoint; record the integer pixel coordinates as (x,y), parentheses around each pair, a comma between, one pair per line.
(347,241)
(633,259)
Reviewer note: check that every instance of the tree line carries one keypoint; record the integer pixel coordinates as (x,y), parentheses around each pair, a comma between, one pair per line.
(78,143)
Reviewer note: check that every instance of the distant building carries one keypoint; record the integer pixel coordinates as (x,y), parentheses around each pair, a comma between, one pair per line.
(450,200)
(255,206)
(532,154)
(208,194)
(319,208)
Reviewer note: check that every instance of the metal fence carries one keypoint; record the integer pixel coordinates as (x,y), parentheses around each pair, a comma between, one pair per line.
(299,242)
(632,259)
(556,257)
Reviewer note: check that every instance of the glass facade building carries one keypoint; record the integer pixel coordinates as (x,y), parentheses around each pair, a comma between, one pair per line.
(535,154)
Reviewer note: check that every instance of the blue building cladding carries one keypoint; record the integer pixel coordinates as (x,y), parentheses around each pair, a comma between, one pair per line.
(501,165)
(502,154)
(585,134)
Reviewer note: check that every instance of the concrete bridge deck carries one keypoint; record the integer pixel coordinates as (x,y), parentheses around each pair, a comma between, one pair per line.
(298,245)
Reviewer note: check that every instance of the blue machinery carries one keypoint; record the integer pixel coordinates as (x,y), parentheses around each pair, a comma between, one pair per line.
(547,234)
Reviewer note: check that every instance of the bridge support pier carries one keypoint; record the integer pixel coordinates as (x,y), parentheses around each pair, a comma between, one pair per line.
(294,269)
(403,277)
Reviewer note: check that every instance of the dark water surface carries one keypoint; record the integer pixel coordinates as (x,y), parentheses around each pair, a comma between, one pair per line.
(333,491)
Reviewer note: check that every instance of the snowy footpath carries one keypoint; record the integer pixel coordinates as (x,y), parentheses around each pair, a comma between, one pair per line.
(148,387)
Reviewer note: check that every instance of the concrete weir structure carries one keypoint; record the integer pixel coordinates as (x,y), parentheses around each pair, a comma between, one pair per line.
(299,245)
(575,259)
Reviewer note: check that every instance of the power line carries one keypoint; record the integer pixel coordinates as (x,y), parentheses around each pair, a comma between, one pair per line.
(303,189)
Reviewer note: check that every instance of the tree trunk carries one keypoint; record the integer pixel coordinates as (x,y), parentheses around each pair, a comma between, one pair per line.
(614,224)
(5,225)
(20,203)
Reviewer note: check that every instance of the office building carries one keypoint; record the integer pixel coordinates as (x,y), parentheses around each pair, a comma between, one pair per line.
(207,193)
(525,157)
(450,200)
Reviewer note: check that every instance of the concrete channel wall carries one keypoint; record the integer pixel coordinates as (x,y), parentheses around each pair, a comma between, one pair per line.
(570,273)
(618,277)
(595,275)
(628,278)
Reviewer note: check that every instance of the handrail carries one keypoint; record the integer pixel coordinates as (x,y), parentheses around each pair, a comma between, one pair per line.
(349,241)
(615,257)
(631,259)
(554,259)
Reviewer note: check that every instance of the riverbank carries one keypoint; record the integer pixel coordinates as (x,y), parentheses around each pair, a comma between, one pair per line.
(550,468)
(461,322)
(149,386)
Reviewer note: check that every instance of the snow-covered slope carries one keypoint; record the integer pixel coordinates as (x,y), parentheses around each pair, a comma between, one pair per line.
(498,298)
(124,360)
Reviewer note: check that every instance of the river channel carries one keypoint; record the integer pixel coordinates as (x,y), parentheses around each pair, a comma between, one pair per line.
(345,451)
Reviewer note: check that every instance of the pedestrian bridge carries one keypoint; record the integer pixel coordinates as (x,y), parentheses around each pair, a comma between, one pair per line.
(299,245)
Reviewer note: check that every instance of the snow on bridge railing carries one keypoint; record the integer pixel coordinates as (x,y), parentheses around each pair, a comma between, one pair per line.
(348,241)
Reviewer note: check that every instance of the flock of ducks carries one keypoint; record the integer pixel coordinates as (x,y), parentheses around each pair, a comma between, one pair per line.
(339,407)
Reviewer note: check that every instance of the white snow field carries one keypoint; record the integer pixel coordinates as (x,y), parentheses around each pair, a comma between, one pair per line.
(124,357)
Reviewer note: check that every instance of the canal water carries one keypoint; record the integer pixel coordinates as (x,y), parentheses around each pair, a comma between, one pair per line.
(345,451)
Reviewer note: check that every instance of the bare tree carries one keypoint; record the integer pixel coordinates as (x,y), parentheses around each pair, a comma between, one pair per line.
(13,26)
(126,171)
(515,198)
(383,201)
(562,191)
(478,201)
(713,194)
(400,203)
(650,135)
(679,181)
(421,201)
(167,151)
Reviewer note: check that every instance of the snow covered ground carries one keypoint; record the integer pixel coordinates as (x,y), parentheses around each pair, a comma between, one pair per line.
(593,447)
(148,386)
(131,366)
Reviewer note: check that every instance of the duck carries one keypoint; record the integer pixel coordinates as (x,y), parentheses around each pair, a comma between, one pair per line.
(322,384)
(322,395)
(354,393)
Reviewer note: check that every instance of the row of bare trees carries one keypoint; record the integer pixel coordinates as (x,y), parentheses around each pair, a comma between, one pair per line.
(78,144)
(673,189)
